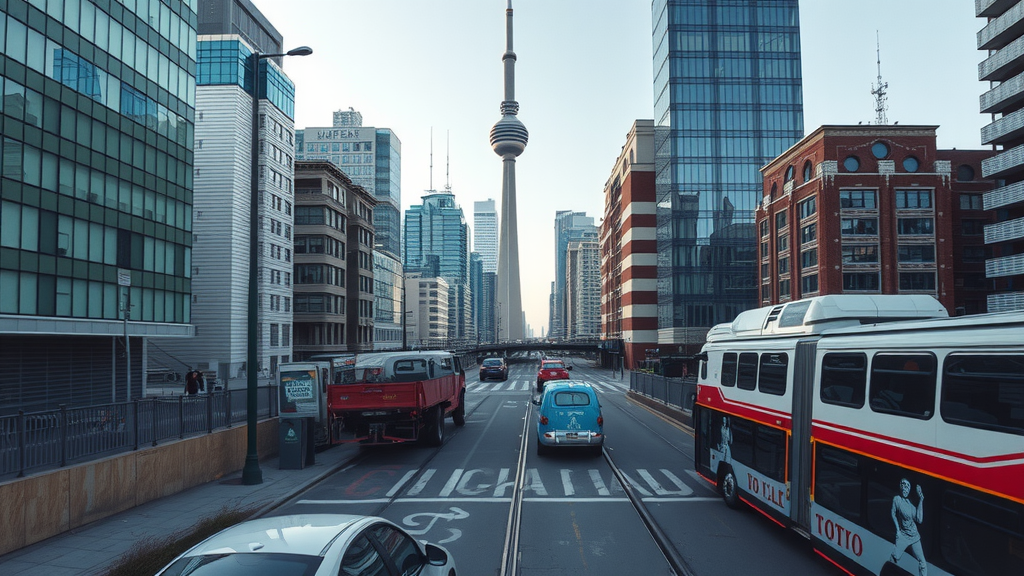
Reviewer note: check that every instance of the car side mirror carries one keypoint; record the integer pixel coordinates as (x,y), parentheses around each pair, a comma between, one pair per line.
(435,555)
(536,401)
(568,367)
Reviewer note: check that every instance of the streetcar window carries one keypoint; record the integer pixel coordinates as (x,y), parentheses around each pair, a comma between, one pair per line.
(903,385)
(984,392)
(729,369)
(844,379)
(703,369)
(837,482)
(742,446)
(772,375)
(746,372)
(979,532)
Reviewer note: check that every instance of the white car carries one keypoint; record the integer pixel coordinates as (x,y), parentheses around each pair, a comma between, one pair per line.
(313,545)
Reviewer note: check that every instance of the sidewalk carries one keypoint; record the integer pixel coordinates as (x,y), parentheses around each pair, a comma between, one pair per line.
(92,548)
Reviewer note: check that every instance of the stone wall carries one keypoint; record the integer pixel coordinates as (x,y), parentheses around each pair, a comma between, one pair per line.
(43,505)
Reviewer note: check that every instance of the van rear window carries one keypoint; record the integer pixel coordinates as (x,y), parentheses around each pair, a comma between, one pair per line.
(569,398)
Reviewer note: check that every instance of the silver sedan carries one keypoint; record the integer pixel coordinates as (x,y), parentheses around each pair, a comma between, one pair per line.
(313,545)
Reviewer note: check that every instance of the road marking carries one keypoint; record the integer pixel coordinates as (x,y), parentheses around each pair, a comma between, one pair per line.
(636,486)
(503,483)
(574,500)
(452,482)
(512,386)
(497,386)
(526,385)
(595,477)
(418,487)
(567,482)
(486,500)
(534,483)
(684,490)
(408,476)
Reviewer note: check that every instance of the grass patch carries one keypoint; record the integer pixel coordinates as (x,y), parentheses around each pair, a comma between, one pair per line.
(150,554)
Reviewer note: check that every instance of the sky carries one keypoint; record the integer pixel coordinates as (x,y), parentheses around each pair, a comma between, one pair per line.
(584,74)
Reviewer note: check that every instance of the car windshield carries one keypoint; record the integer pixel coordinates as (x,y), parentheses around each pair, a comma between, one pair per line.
(551,365)
(245,565)
(570,398)
(492,362)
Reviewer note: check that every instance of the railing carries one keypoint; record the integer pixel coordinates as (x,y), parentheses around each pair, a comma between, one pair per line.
(54,438)
(676,392)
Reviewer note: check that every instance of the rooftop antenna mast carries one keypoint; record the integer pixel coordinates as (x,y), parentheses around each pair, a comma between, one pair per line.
(878,90)
(447,161)
(431,158)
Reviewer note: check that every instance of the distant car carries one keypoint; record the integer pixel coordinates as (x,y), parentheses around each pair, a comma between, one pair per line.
(313,545)
(569,416)
(551,370)
(494,368)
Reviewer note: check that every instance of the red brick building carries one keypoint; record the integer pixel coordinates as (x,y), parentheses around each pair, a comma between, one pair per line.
(629,248)
(874,209)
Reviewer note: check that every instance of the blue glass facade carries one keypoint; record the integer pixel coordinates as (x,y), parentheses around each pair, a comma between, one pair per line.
(97,115)
(387,216)
(223,62)
(727,100)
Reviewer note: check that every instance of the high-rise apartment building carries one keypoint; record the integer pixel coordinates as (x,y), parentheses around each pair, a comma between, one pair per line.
(334,271)
(485,233)
(1003,39)
(437,244)
(388,294)
(222,226)
(426,310)
(629,248)
(727,100)
(569,226)
(372,158)
(583,290)
(96,195)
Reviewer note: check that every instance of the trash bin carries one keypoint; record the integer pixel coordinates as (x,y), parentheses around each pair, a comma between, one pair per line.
(291,447)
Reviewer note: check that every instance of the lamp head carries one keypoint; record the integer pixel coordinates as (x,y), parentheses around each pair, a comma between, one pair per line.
(300,51)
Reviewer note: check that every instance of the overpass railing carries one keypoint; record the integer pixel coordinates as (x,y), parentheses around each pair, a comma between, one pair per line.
(44,440)
(676,392)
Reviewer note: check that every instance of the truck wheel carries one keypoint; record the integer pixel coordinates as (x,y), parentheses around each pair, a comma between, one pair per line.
(459,415)
(433,431)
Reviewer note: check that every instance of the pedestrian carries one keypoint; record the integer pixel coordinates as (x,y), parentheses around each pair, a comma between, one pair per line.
(193,382)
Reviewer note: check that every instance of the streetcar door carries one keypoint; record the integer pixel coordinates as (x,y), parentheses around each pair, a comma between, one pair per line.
(800,447)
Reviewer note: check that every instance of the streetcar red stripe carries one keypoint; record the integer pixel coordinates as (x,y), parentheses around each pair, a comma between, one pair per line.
(924,447)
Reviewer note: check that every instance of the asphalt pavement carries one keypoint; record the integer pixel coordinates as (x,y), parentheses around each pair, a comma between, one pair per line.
(93,548)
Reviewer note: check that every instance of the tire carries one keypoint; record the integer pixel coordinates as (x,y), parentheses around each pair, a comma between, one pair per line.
(730,489)
(433,432)
(596,451)
(540,386)
(459,415)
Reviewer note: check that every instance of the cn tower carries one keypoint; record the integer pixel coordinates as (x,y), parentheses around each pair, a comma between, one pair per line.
(508,139)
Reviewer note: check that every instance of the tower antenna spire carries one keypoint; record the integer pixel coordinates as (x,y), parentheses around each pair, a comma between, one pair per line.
(431,158)
(447,161)
(878,90)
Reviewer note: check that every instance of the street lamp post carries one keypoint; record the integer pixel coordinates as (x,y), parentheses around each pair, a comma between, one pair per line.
(251,473)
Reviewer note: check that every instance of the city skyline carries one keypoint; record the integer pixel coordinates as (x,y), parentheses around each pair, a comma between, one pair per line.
(435,71)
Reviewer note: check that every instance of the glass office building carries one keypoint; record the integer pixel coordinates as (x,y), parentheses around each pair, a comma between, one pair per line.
(96,213)
(727,100)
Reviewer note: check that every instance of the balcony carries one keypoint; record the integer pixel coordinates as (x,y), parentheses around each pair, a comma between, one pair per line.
(1003,30)
(1006,96)
(1007,302)
(1005,196)
(1005,266)
(1006,130)
(1004,231)
(1004,164)
(991,8)
(1004,64)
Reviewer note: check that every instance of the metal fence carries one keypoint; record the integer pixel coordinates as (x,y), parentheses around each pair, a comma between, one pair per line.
(677,392)
(41,440)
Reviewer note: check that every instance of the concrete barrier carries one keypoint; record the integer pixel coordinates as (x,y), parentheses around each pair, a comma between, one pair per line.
(37,507)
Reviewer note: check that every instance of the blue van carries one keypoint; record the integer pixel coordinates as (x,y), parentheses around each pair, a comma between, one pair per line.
(569,415)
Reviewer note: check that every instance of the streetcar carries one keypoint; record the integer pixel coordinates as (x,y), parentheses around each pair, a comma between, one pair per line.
(887,433)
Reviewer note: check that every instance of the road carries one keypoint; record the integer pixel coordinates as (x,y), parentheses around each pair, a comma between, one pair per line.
(575,515)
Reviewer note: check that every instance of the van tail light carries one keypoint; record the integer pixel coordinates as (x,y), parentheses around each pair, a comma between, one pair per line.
(544,420)
(600,420)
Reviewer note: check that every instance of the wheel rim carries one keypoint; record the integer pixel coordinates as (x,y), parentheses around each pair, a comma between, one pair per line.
(729,485)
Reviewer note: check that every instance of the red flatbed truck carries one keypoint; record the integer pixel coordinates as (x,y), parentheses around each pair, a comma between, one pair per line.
(398,397)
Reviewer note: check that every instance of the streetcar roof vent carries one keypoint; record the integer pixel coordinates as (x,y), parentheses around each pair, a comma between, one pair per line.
(814,315)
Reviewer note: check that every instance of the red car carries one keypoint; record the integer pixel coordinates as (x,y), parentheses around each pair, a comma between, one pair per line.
(551,370)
